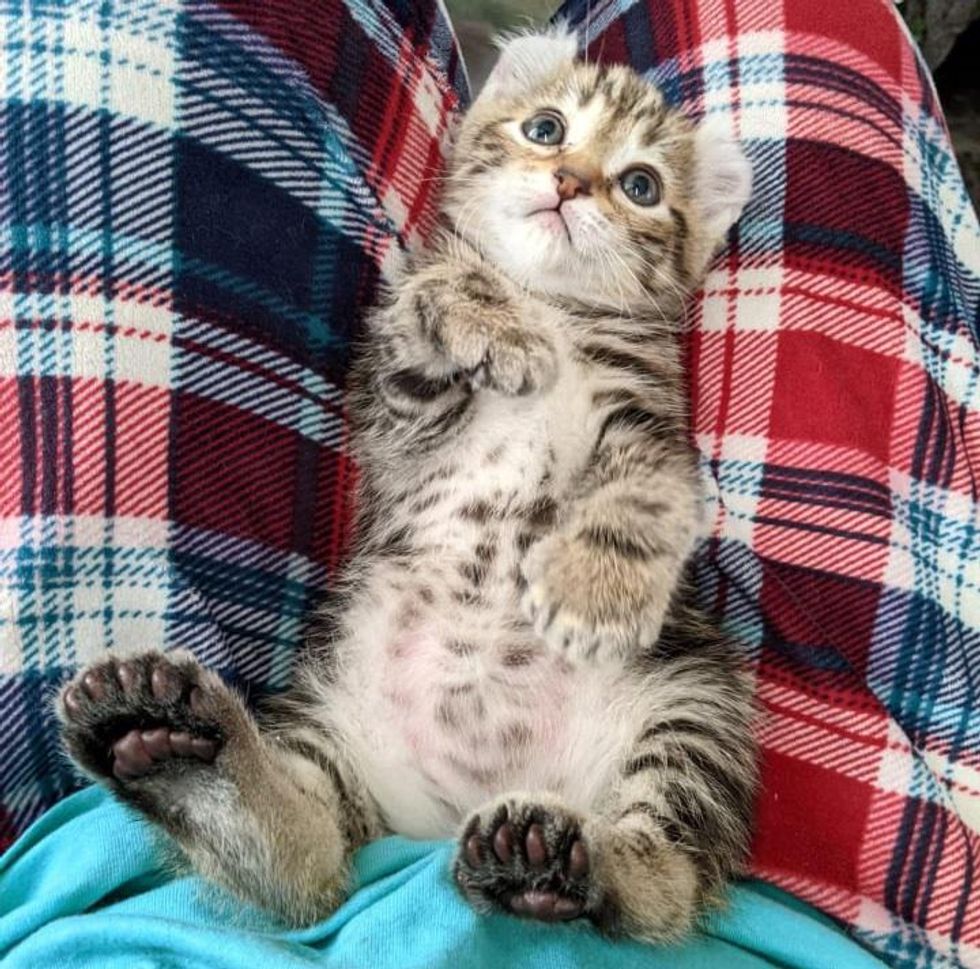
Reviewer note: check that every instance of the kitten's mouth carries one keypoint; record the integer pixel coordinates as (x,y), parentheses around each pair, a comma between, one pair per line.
(554,217)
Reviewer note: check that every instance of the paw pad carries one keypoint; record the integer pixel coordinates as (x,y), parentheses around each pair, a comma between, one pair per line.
(130,718)
(528,860)
(139,750)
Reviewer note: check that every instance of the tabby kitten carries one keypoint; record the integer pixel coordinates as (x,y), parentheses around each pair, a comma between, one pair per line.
(512,655)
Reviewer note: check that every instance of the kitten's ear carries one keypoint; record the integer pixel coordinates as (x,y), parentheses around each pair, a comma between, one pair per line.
(527,59)
(723,179)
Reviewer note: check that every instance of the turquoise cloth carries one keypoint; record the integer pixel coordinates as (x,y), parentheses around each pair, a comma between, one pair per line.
(84,887)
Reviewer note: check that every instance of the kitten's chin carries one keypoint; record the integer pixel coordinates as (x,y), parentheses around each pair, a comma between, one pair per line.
(534,257)
(531,244)
(540,252)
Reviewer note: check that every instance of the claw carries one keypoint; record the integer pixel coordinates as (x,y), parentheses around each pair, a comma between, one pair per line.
(142,716)
(510,858)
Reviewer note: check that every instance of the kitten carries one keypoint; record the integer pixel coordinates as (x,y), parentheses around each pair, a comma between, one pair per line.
(513,655)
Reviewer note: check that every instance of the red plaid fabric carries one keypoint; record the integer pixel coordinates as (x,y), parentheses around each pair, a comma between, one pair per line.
(836,405)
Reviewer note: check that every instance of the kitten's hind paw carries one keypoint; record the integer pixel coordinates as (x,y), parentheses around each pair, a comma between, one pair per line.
(127,719)
(526,857)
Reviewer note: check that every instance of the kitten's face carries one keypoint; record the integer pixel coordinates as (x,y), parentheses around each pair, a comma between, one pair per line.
(579,181)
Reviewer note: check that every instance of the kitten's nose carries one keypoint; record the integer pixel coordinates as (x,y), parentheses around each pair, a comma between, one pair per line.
(571,183)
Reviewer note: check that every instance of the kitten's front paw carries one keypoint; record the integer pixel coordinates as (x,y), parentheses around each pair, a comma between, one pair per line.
(506,355)
(527,857)
(128,719)
(588,603)
(479,331)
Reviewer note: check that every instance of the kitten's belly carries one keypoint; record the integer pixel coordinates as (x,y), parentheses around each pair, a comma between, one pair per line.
(443,724)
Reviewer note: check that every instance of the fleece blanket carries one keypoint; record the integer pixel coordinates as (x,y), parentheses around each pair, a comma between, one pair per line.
(198,198)
(83,889)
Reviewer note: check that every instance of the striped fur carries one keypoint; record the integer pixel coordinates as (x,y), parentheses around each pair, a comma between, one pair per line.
(513,651)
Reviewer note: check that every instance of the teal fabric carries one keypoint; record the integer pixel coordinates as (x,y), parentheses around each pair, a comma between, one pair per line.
(84,887)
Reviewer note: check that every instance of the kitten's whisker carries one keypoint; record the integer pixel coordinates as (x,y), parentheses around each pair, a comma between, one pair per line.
(628,270)
(469,210)
(588,24)
(608,256)
(671,285)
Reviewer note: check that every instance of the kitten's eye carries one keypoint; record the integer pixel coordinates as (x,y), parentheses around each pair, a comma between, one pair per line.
(544,129)
(640,186)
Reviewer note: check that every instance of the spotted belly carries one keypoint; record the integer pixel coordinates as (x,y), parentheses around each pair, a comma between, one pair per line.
(476,717)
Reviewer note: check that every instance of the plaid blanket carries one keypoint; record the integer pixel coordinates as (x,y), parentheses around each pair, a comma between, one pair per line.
(196,200)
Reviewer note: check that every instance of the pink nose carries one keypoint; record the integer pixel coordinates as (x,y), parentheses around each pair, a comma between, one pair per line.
(571,183)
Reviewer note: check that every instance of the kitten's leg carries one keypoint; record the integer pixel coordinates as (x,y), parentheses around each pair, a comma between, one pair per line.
(673,829)
(599,586)
(273,818)
(676,826)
